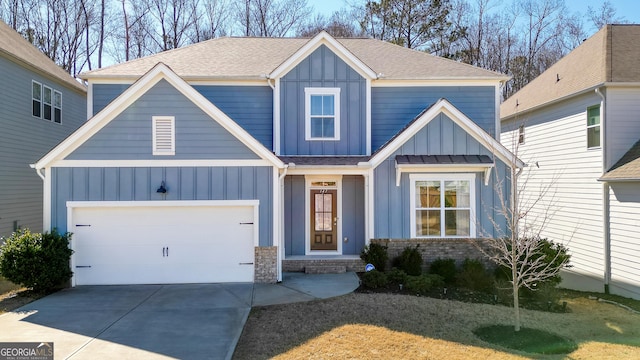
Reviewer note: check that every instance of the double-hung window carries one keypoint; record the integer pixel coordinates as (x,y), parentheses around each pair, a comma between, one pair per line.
(36,96)
(47,97)
(593,127)
(322,113)
(442,205)
(57,106)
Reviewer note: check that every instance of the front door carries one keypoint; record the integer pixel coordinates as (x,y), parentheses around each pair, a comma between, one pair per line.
(324,220)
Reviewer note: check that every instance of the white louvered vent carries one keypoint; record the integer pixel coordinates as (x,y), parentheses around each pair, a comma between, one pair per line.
(164,139)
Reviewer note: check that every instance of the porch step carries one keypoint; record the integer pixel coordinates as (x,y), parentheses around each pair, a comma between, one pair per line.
(325,269)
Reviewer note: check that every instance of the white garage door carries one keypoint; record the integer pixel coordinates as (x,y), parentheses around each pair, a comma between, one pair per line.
(162,244)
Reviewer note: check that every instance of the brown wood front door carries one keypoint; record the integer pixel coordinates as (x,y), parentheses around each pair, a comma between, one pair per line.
(324,220)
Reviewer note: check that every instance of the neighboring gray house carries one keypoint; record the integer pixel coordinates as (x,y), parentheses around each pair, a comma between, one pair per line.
(579,128)
(40,104)
(237,158)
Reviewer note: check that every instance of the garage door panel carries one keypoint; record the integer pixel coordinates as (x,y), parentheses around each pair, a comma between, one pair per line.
(138,245)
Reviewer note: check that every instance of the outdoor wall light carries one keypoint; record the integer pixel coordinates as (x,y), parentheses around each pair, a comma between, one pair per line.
(162,189)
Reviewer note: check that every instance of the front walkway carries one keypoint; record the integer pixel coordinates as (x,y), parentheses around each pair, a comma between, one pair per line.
(298,287)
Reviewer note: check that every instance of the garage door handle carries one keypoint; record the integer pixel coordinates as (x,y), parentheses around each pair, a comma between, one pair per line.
(247,223)
(82,266)
(79,225)
(245,263)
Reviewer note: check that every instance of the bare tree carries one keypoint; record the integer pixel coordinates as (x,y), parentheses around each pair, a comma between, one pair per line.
(521,248)
(271,18)
(606,14)
(214,20)
(339,25)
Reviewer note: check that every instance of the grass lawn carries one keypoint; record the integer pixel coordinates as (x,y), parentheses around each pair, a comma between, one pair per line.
(388,326)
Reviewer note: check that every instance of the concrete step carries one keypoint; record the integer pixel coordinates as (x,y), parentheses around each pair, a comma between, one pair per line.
(325,269)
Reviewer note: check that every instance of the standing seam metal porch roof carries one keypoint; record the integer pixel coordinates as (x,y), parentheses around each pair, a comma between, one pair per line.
(251,58)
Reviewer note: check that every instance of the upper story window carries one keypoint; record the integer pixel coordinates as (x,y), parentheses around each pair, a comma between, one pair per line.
(322,113)
(36,95)
(593,127)
(442,205)
(521,135)
(46,102)
(164,135)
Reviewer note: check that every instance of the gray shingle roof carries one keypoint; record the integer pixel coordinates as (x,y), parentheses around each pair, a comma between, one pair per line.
(252,58)
(610,55)
(15,47)
(627,168)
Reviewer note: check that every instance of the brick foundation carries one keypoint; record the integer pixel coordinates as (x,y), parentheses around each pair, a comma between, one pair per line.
(266,264)
(432,249)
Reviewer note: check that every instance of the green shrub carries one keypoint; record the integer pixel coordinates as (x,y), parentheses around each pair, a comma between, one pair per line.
(37,261)
(397,276)
(376,255)
(374,279)
(422,284)
(445,268)
(552,253)
(409,261)
(474,276)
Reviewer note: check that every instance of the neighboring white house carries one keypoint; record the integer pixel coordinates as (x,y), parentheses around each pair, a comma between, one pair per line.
(577,126)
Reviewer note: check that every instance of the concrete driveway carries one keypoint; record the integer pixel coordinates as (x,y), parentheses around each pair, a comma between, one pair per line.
(191,321)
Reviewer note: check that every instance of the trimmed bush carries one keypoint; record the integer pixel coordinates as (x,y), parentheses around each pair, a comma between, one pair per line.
(376,255)
(37,261)
(374,279)
(422,284)
(445,268)
(474,276)
(409,261)
(397,276)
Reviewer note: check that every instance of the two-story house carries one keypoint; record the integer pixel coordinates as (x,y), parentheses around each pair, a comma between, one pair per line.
(40,105)
(578,124)
(231,159)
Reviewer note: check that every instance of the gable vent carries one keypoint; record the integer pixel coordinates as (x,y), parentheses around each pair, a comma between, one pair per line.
(164,140)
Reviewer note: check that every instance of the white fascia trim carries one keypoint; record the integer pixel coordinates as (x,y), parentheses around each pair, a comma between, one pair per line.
(323,38)
(276,117)
(112,81)
(368,117)
(133,93)
(435,82)
(326,171)
(445,107)
(227,82)
(89,101)
(159,163)
(443,168)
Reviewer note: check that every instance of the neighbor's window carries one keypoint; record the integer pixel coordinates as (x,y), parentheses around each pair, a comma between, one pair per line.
(521,135)
(46,102)
(322,113)
(593,126)
(164,135)
(36,95)
(442,205)
(57,106)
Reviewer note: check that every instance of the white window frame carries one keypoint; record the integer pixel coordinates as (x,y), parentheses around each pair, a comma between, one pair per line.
(594,126)
(55,106)
(414,178)
(50,103)
(33,82)
(335,92)
(155,120)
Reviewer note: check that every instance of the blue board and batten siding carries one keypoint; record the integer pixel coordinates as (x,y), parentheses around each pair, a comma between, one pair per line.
(323,68)
(392,108)
(129,135)
(353,215)
(440,137)
(251,107)
(183,183)
(24,139)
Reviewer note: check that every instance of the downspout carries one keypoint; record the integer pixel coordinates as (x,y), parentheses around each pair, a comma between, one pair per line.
(606,209)
(280,256)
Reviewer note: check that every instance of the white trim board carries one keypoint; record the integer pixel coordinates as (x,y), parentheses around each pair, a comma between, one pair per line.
(159,163)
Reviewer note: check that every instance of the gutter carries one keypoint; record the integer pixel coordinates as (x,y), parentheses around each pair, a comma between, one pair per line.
(280,250)
(606,206)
